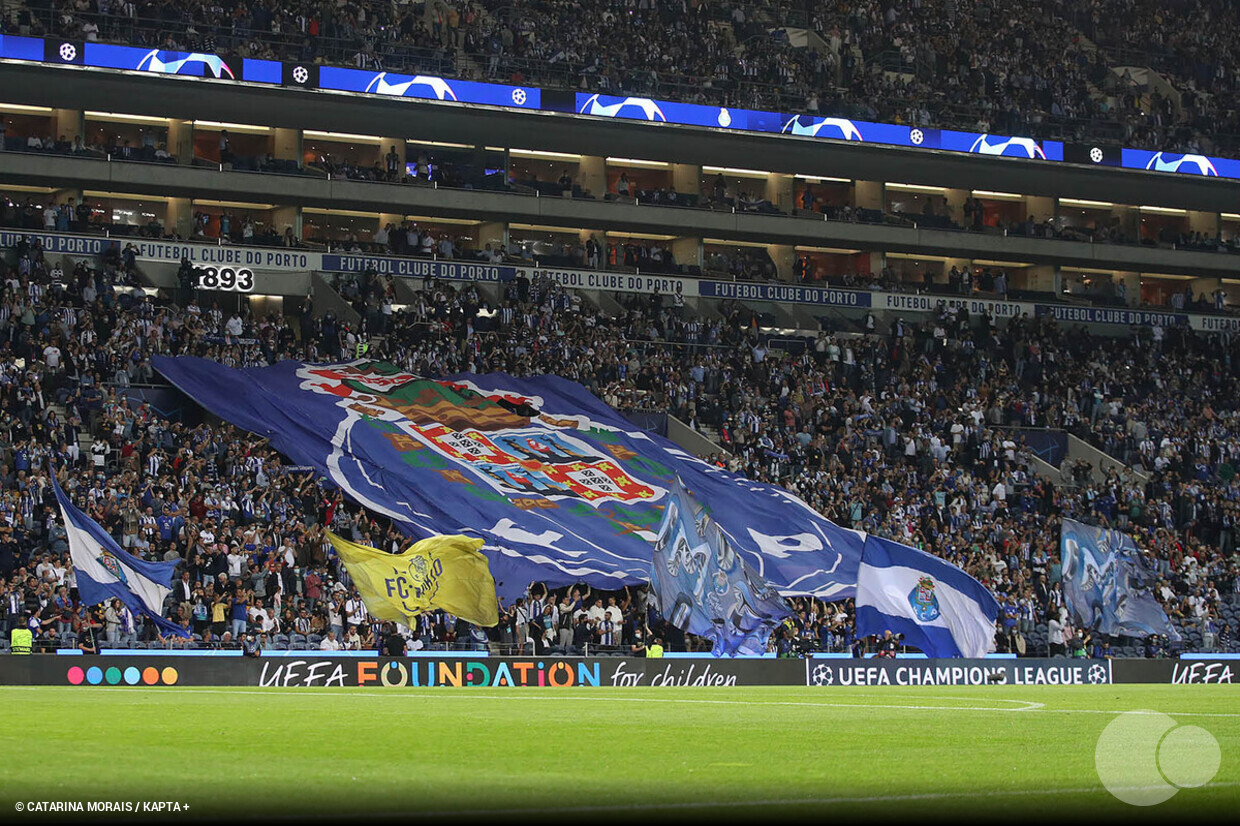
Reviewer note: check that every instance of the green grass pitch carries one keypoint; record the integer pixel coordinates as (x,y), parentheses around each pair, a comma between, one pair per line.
(499,755)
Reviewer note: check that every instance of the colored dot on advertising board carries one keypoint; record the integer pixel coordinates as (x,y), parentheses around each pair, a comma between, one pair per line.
(112,675)
(150,675)
(133,676)
(170,676)
(76,675)
(94,675)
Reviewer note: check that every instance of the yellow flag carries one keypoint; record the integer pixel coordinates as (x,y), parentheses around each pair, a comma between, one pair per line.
(447,572)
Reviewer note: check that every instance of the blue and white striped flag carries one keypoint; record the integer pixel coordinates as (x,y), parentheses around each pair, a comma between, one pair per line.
(105,571)
(935,605)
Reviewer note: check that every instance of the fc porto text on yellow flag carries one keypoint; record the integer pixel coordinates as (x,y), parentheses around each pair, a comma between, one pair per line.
(447,572)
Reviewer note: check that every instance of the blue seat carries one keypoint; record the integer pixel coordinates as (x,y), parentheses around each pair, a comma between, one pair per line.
(298,646)
(313,639)
(298,638)
(280,641)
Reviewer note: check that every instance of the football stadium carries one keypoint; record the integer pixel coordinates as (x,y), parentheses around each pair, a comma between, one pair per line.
(519,410)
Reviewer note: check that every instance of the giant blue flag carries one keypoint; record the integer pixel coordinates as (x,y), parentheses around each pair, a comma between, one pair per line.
(701,585)
(561,487)
(1107,583)
(934,604)
(105,571)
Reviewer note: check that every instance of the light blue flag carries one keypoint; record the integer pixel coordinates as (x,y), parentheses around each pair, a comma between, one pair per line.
(935,605)
(562,488)
(701,585)
(105,571)
(1107,583)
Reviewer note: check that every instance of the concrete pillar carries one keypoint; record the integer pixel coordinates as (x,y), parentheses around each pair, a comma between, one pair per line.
(779,191)
(592,175)
(68,122)
(284,217)
(1205,285)
(1040,207)
(181,140)
(955,199)
(496,232)
(1129,218)
(1041,278)
(687,178)
(869,195)
(1207,223)
(179,217)
(286,144)
(877,260)
(687,251)
(785,257)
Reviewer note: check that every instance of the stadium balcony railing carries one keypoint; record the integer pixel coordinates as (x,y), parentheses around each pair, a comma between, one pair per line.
(699,201)
(121,231)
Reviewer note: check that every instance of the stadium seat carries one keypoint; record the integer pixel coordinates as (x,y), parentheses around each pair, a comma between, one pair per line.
(280,641)
(297,638)
(314,639)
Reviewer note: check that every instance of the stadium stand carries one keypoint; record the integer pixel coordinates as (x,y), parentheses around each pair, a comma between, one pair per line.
(1137,72)
(912,433)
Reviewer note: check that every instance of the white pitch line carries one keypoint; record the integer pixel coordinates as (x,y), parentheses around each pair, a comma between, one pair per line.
(516,693)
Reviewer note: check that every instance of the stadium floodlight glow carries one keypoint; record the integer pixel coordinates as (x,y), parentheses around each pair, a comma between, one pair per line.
(827,250)
(232,127)
(938,190)
(638,162)
(17,107)
(123,118)
(822,179)
(1230,216)
(998,196)
(913,256)
(726,242)
(231,204)
(732,170)
(429,219)
(1163,210)
(341,136)
(1083,203)
(991,263)
(539,153)
(345,213)
(645,236)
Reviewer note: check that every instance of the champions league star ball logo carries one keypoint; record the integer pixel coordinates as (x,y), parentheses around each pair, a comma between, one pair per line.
(916,137)
(379,85)
(1012,147)
(68,52)
(300,75)
(1188,164)
(629,108)
(838,128)
(112,566)
(822,675)
(1097,674)
(152,62)
(925,604)
(518,97)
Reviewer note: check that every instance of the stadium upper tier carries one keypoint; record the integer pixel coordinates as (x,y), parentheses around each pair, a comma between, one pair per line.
(1154,75)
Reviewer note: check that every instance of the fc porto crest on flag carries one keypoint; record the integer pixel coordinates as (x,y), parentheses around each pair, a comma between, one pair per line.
(925,603)
(561,488)
(113,567)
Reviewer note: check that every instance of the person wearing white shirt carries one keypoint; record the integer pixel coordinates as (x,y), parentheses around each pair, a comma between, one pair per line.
(330,643)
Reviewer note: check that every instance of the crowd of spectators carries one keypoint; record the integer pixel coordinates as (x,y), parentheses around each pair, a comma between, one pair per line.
(911,433)
(1052,69)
